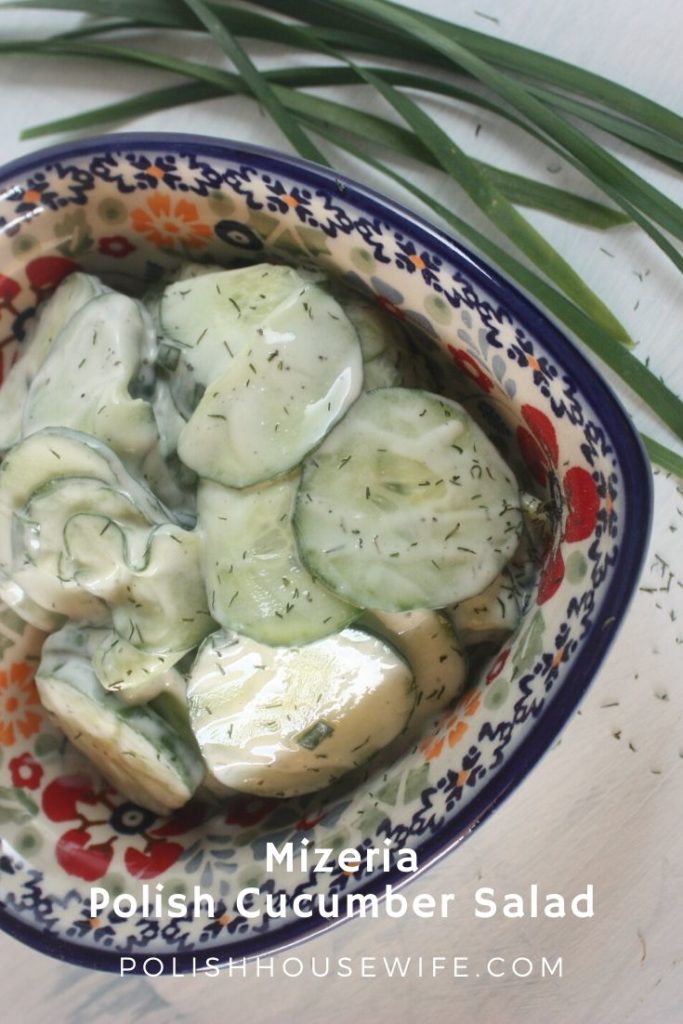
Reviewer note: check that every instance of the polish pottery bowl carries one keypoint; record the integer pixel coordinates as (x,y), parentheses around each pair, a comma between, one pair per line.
(128,207)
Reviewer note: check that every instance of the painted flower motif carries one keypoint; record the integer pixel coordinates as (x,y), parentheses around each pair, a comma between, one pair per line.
(25,771)
(117,246)
(452,727)
(539,448)
(471,368)
(234,232)
(280,199)
(36,194)
(72,916)
(408,258)
(439,800)
(19,703)
(390,307)
(152,173)
(46,272)
(129,819)
(498,665)
(222,919)
(9,289)
(170,223)
(81,851)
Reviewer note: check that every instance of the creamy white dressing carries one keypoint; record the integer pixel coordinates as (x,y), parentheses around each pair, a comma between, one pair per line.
(279,396)
(275,720)
(72,295)
(235,376)
(84,380)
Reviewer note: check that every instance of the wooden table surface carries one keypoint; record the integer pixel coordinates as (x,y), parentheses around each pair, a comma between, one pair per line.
(604,806)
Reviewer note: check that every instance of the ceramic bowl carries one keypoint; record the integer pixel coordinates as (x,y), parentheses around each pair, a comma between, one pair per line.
(130,206)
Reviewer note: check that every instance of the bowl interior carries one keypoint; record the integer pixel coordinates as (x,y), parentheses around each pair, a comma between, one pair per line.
(128,209)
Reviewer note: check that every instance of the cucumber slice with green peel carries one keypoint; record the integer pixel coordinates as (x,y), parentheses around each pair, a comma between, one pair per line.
(489,617)
(229,306)
(84,382)
(279,397)
(381,372)
(406,504)
(39,526)
(57,452)
(391,357)
(12,595)
(37,462)
(136,676)
(254,576)
(134,748)
(183,272)
(427,641)
(213,316)
(377,332)
(174,484)
(168,418)
(282,721)
(71,295)
(157,603)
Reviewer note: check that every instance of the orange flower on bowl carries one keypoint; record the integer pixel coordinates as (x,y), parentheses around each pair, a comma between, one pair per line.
(169,222)
(453,726)
(18,704)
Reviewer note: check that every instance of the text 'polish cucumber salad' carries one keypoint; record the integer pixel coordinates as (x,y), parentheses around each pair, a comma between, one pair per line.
(260,540)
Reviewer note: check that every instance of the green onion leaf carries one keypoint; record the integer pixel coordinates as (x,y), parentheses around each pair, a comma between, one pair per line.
(480,188)
(257,83)
(646,384)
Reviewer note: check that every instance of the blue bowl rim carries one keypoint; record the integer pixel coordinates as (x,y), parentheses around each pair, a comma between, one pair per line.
(628,450)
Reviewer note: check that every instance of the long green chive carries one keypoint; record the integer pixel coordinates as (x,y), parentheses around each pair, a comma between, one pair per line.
(519,189)
(529,89)
(617,180)
(646,384)
(478,184)
(257,83)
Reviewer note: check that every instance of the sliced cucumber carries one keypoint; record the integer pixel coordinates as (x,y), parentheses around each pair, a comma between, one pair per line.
(37,462)
(58,452)
(382,372)
(38,541)
(168,418)
(157,601)
(134,748)
(71,295)
(12,595)
(489,617)
(279,397)
(173,483)
(406,504)
(136,676)
(84,382)
(281,721)
(377,331)
(253,573)
(39,527)
(427,641)
(213,316)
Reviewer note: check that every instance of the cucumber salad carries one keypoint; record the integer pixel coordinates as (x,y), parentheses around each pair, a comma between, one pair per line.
(261,542)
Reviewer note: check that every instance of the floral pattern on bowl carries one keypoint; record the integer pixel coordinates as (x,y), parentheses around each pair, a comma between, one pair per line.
(129,207)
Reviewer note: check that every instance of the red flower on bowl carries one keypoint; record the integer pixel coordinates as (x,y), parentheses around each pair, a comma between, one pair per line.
(471,368)
(84,852)
(117,246)
(540,450)
(25,772)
